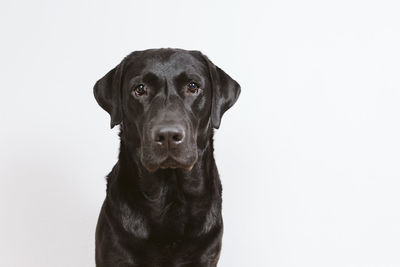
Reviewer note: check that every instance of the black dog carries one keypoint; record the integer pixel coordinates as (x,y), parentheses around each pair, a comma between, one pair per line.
(163,203)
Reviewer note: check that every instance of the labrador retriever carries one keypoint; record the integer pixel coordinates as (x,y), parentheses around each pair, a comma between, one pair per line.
(163,200)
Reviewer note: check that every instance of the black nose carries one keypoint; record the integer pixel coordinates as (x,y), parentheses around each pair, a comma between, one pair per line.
(168,136)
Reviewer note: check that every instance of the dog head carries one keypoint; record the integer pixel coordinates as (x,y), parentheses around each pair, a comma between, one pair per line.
(167,102)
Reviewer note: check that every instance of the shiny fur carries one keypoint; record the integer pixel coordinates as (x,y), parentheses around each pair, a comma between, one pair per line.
(156,214)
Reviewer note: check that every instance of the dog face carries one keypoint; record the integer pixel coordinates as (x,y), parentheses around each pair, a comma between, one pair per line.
(167,101)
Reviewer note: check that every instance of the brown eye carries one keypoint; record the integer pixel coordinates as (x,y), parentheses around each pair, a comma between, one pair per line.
(192,87)
(140,90)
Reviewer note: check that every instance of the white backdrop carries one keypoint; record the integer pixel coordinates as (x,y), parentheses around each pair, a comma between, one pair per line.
(312,146)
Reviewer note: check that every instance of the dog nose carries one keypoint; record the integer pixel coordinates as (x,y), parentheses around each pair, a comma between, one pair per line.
(168,136)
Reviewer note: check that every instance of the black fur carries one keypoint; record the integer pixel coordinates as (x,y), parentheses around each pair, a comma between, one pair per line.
(157,213)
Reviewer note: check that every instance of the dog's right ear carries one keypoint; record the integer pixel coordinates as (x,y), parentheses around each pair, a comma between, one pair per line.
(107,92)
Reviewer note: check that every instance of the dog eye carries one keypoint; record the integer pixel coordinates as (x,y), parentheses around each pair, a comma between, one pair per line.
(192,87)
(140,90)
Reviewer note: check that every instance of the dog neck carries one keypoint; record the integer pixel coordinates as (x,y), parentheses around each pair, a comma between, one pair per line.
(169,198)
(137,184)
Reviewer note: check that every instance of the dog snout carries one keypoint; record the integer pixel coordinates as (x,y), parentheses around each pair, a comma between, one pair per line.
(168,136)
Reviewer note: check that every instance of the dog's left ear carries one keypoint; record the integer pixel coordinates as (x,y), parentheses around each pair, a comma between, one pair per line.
(107,92)
(225,92)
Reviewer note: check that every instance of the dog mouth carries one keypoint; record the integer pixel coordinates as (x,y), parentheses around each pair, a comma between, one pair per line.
(169,162)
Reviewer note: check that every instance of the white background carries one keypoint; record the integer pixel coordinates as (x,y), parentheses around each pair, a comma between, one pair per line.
(309,156)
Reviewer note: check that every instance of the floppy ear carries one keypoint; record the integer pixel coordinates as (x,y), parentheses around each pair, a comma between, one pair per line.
(107,92)
(225,92)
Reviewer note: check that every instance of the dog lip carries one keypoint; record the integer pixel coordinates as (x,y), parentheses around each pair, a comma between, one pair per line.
(170,163)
